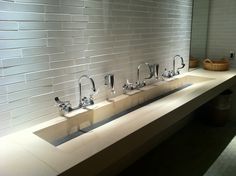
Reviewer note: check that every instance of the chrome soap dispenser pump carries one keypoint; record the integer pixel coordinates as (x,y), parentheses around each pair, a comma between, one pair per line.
(110,84)
(155,70)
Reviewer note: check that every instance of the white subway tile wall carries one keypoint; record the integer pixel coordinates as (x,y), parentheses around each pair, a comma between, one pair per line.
(222,29)
(46,45)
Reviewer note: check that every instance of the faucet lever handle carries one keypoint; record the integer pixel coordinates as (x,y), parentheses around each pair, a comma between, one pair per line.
(63,105)
(59,102)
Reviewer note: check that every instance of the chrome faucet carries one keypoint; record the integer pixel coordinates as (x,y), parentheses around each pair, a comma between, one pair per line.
(65,106)
(85,101)
(139,84)
(182,65)
(173,72)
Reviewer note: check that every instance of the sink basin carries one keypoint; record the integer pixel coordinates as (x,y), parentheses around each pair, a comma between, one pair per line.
(85,120)
(55,133)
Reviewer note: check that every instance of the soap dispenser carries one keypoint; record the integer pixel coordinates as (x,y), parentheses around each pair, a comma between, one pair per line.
(110,85)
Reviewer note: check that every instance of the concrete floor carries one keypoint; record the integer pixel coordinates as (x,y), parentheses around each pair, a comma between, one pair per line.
(189,152)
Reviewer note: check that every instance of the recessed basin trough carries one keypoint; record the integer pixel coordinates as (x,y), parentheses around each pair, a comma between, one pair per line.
(86,120)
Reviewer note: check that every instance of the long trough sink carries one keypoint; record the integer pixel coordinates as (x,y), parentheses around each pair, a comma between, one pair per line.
(90,119)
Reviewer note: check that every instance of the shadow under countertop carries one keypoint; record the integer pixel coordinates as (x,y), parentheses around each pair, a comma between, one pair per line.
(191,151)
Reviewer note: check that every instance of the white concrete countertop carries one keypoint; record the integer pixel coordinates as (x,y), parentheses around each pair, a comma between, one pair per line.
(24,153)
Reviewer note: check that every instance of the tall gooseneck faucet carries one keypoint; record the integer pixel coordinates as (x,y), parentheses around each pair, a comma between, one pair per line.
(182,64)
(65,106)
(153,71)
(85,101)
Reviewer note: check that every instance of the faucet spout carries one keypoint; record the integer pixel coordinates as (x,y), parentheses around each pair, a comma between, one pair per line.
(83,102)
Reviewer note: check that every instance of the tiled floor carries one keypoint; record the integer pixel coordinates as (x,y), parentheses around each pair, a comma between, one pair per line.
(190,152)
